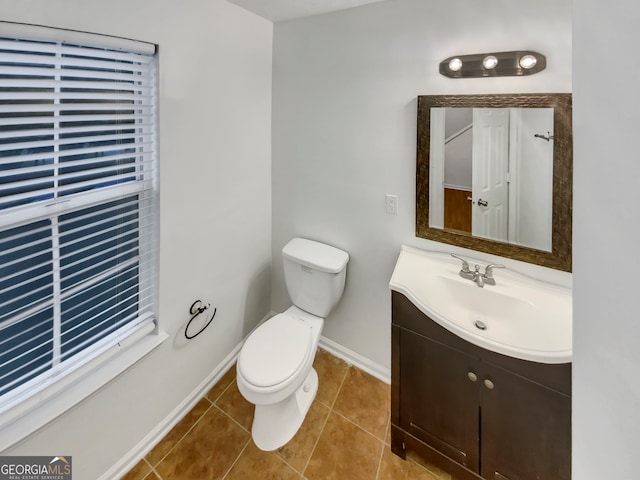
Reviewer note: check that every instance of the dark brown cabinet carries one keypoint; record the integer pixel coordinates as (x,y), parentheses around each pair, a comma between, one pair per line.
(473,412)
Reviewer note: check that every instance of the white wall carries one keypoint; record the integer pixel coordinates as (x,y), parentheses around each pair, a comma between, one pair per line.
(606,384)
(534,179)
(344,131)
(215,117)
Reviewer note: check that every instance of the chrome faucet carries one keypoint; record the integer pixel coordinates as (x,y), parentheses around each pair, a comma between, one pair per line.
(488,274)
(480,279)
(465,272)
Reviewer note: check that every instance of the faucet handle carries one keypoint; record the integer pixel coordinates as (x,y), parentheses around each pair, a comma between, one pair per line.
(488,270)
(465,264)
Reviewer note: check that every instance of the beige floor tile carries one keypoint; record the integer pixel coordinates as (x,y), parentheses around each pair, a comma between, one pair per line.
(173,437)
(393,467)
(207,452)
(366,401)
(298,450)
(219,388)
(256,464)
(236,406)
(217,446)
(139,472)
(344,451)
(331,372)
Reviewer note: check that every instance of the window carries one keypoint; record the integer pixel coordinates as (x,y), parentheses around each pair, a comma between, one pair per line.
(78,205)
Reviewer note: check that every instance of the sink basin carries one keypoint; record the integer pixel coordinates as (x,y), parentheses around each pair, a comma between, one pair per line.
(519,316)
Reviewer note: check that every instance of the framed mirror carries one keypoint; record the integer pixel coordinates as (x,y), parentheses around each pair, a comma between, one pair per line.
(494,174)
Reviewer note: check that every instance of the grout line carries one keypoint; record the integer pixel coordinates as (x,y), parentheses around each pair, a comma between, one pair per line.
(158,476)
(380,461)
(387,431)
(225,388)
(232,419)
(186,433)
(287,463)
(359,426)
(190,429)
(301,471)
(344,377)
(387,423)
(313,449)
(384,434)
(225,413)
(382,444)
(237,458)
(243,428)
(215,402)
(152,469)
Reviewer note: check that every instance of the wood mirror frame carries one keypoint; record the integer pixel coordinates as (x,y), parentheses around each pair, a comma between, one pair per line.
(560,255)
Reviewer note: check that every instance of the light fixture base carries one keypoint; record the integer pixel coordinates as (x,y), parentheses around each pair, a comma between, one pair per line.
(505,64)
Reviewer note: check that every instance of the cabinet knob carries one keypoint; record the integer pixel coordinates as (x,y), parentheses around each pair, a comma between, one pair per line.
(472,376)
(488,383)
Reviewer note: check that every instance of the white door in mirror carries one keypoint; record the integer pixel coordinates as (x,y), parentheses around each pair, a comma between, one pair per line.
(490,171)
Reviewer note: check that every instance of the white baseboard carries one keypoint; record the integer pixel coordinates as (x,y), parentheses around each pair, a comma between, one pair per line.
(355,359)
(138,452)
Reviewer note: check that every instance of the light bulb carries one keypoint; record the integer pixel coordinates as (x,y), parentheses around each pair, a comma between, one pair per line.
(528,61)
(455,64)
(489,62)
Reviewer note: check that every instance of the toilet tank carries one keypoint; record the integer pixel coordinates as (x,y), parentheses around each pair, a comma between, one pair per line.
(315,274)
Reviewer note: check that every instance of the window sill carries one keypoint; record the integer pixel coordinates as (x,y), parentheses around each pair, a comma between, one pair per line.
(34,413)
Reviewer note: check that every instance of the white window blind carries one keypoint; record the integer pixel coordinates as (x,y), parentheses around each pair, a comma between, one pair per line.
(78,206)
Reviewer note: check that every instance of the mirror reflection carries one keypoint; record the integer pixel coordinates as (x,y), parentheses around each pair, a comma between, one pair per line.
(494,174)
(491,173)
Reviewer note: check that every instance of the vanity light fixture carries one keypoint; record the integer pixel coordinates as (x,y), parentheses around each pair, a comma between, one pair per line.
(516,63)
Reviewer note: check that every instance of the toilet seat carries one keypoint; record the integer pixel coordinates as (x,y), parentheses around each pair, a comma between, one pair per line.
(275,351)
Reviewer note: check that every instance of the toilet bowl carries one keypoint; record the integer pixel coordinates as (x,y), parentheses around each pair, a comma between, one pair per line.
(274,368)
(274,372)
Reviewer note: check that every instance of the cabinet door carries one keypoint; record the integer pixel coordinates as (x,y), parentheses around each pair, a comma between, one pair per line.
(526,428)
(439,400)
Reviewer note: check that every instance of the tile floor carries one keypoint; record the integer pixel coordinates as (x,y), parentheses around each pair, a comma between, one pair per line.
(345,436)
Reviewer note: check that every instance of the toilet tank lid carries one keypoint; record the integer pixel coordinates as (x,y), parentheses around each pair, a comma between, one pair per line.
(316,255)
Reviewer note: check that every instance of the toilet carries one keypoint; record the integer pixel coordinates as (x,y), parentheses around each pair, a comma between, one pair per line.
(274,368)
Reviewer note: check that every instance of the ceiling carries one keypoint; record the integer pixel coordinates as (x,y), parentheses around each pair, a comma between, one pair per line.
(280,10)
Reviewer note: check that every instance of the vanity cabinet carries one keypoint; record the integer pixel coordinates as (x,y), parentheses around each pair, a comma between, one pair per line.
(473,412)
